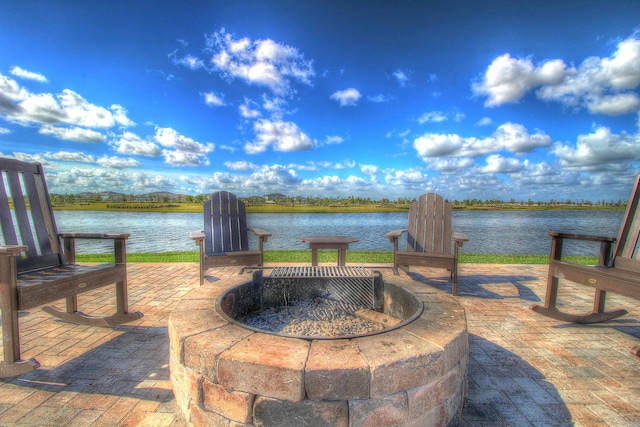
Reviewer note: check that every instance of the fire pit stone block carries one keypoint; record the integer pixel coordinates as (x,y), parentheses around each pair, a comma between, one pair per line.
(201,349)
(397,359)
(223,374)
(274,412)
(265,365)
(335,370)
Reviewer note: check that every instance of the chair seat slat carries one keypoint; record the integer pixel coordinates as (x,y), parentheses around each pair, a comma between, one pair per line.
(6,219)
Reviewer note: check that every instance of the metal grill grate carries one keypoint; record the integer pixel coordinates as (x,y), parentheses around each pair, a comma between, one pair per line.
(353,285)
(321,272)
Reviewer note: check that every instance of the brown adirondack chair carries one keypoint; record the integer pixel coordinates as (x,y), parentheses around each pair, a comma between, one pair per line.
(224,240)
(37,264)
(429,238)
(618,271)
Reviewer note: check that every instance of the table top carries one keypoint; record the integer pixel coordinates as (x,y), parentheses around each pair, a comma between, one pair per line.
(327,239)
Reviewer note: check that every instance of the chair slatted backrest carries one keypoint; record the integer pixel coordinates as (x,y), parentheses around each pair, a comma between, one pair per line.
(430,225)
(27,216)
(225,224)
(626,247)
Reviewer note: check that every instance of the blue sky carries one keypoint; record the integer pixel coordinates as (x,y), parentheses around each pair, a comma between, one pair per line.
(471,99)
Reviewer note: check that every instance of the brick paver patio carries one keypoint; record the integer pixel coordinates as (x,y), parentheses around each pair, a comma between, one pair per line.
(524,369)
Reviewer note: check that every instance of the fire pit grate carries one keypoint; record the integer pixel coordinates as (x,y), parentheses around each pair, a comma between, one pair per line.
(321,272)
(353,285)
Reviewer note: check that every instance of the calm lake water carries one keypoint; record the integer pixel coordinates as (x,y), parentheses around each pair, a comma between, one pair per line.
(496,232)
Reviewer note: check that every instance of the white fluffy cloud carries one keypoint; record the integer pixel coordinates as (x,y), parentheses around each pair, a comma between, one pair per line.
(451,164)
(249,113)
(180,150)
(401,76)
(498,164)
(508,79)
(114,162)
(73,133)
(601,147)
(97,179)
(515,138)
(68,107)
(512,137)
(68,156)
(439,145)
(440,116)
(189,61)
(280,136)
(184,150)
(333,139)
(272,178)
(601,85)
(213,99)
(29,75)
(433,116)
(369,169)
(145,182)
(130,143)
(347,97)
(260,62)
(240,166)
(407,179)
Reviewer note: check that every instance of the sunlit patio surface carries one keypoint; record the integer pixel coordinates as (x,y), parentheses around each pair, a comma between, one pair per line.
(524,369)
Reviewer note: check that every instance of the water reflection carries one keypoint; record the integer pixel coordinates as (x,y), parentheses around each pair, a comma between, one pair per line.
(500,232)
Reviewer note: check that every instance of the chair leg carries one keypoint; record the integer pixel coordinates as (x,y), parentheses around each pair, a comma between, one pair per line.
(122,297)
(454,274)
(12,365)
(599,300)
(72,304)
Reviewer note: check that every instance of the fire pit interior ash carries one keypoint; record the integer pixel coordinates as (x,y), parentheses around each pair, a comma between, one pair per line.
(409,368)
(317,317)
(318,303)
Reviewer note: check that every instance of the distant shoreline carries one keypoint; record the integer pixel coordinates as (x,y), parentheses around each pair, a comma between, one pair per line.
(299,208)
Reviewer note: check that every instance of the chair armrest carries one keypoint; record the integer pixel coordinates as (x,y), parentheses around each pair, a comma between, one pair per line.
(459,238)
(197,235)
(12,250)
(262,234)
(119,244)
(581,237)
(604,256)
(94,235)
(395,234)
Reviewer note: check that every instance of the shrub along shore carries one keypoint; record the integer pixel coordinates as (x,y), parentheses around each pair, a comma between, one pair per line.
(304,256)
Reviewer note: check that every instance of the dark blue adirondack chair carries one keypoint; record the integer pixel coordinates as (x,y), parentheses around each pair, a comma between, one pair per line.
(224,240)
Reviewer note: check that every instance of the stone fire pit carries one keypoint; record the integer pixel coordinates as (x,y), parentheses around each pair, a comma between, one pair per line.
(225,374)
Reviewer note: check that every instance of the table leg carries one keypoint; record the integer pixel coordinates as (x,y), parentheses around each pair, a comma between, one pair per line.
(342,256)
(314,256)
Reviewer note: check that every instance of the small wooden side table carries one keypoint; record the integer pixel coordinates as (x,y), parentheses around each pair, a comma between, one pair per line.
(341,243)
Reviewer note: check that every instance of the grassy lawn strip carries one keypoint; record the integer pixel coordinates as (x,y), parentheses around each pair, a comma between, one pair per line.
(298,256)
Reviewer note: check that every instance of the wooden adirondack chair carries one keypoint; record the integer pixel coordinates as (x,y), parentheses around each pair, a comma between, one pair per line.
(224,240)
(617,271)
(429,238)
(37,264)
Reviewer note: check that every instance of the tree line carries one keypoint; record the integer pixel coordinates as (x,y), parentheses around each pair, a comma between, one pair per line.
(165,198)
